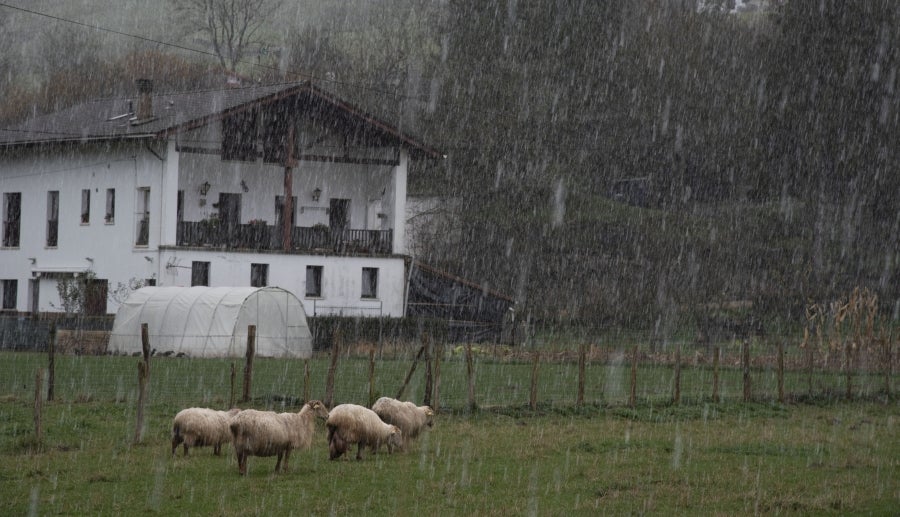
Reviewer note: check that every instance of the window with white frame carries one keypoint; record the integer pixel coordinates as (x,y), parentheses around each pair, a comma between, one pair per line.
(314,281)
(85,206)
(110,216)
(369,282)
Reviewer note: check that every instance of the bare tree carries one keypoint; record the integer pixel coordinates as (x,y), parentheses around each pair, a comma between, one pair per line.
(232,26)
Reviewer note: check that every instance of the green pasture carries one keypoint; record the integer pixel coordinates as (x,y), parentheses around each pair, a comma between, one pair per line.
(825,456)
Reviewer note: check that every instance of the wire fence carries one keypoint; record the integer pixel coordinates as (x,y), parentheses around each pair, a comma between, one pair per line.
(461,376)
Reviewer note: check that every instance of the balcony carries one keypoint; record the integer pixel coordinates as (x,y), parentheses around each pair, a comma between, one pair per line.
(202,234)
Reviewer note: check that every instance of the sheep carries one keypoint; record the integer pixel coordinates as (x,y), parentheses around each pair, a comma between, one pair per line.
(348,424)
(266,433)
(199,426)
(411,419)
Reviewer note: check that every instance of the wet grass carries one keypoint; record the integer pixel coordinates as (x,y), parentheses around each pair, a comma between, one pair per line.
(828,457)
(840,459)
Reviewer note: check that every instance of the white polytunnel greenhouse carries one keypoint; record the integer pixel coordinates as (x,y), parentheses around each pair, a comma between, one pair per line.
(212,322)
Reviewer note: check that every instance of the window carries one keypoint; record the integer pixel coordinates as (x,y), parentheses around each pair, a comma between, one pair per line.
(142,237)
(370,282)
(12,215)
(52,218)
(110,216)
(314,281)
(274,136)
(10,290)
(85,206)
(199,273)
(259,275)
(239,136)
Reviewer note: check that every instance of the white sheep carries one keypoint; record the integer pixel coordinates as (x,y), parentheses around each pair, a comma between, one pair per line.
(410,418)
(199,426)
(266,433)
(348,424)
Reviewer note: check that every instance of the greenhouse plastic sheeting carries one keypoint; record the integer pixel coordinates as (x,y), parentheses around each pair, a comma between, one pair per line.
(212,322)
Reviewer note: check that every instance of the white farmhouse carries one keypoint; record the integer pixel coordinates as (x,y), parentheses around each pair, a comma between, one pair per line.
(282,185)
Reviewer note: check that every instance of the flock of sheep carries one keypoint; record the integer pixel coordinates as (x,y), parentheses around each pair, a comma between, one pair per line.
(267,433)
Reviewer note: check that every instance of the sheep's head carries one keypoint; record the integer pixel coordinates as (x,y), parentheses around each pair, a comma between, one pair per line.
(395,439)
(429,413)
(318,409)
(233,411)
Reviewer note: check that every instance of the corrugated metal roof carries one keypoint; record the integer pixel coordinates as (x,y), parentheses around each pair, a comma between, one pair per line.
(113,119)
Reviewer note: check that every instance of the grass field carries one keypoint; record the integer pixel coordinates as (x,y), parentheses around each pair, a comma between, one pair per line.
(697,458)
(732,459)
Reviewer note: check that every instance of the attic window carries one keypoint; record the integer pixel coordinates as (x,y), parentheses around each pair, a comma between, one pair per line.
(239,136)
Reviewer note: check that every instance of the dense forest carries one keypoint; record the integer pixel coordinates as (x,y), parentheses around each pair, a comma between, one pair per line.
(619,162)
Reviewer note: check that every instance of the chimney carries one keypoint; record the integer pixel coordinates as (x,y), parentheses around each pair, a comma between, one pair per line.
(145,99)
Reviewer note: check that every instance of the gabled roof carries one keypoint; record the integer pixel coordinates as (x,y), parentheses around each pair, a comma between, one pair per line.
(113,119)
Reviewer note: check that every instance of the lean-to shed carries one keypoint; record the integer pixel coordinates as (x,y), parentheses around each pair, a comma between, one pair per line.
(212,322)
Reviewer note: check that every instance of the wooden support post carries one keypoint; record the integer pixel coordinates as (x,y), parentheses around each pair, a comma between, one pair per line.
(676,398)
(848,359)
(780,372)
(715,394)
(470,375)
(535,364)
(809,370)
(233,379)
(371,375)
(436,400)
(248,362)
(412,369)
(51,363)
(332,368)
(429,380)
(632,397)
(143,383)
(306,381)
(745,360)
(582,353)
(888,366)
(38,405)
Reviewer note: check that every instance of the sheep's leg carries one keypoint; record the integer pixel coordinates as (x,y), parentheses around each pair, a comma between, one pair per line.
(287,455)
(359,449)
(217,449)
(242,462)
(278,463)
(175,443)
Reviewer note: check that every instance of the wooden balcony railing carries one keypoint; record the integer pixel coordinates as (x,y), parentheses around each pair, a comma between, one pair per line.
(265,237)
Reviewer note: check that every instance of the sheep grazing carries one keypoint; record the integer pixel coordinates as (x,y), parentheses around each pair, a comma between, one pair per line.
(410,418)
(266,433)
(348,424)
(199,426)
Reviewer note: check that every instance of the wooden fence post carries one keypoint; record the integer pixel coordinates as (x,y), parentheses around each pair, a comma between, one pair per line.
(231,393)
(676,399)
(470,375)
(745,359)
(38,405)
(51,363)
(715,394)
(780,372)
(438,353)
(848,358)
(582,352)
(371,375)
(306,381)
(412,370)
(535,364)
(332,368)
(143,383)
(889,367)
(632,398)
(429,380)
(248,364)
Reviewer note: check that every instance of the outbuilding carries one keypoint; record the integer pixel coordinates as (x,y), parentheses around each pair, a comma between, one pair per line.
(212,322)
